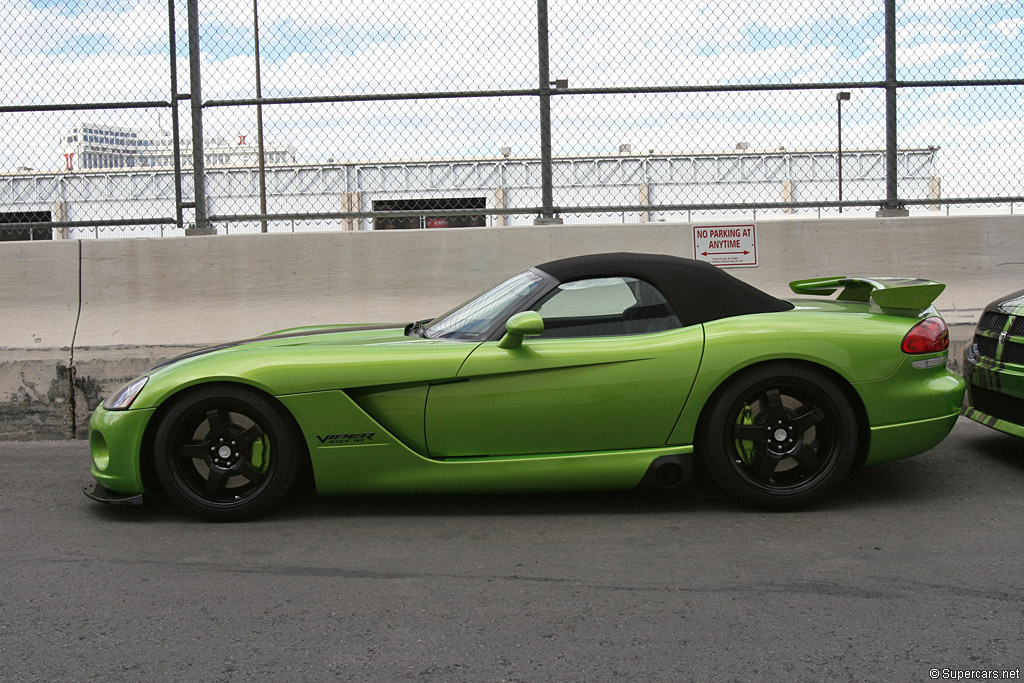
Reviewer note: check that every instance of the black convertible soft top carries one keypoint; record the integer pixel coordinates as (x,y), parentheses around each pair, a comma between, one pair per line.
(697,291)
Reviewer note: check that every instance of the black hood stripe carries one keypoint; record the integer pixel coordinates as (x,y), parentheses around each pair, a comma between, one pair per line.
(272,337)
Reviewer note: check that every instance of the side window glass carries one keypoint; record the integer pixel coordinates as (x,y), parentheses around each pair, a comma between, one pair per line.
(603,307)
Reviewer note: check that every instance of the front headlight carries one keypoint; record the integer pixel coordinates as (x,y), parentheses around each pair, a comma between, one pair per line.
(972,353)
(123,397)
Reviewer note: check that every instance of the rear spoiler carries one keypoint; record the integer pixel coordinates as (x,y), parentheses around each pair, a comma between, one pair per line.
(899,295)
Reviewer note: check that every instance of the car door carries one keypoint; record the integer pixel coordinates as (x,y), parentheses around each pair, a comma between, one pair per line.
(612,371)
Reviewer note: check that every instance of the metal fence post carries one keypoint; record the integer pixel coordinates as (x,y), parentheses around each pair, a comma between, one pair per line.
(259,116)
(892,207)
(547,195)
(198,153)
(179,219)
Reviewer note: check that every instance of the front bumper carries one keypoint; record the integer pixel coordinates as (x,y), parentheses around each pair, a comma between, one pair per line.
(115,441)
(995,393)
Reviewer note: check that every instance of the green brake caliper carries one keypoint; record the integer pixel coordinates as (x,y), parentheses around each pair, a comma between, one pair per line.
(745,448)
(260,454)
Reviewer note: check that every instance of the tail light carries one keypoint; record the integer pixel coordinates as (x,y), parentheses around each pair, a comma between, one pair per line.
(928,336)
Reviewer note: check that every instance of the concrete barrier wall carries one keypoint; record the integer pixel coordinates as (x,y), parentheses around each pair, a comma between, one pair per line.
(38,314)
(80,317)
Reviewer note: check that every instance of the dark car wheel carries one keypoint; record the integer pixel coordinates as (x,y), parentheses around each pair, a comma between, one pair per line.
(225,453)
(780,436)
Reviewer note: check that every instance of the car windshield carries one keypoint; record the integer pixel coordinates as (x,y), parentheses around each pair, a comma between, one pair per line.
(474,319)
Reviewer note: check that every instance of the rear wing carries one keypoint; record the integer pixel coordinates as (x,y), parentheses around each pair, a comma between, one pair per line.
(899,295)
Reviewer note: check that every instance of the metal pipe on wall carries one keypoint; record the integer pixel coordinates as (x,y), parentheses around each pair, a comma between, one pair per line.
(547,194)
(198,153)
(259,116)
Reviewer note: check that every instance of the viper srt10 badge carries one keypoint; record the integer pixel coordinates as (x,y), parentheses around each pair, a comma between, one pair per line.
(346,439)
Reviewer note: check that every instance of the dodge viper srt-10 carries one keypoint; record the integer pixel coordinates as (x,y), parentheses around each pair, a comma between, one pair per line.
(607,371)
(994,366)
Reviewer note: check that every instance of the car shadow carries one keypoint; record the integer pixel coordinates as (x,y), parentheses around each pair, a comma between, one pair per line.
(1004,449)
(889,486)
(306,504)
(485,505)
(892,485)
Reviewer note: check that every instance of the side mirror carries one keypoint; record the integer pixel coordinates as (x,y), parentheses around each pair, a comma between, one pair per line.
(525,324)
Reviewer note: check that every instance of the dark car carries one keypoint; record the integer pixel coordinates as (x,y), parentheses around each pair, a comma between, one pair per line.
(994,366)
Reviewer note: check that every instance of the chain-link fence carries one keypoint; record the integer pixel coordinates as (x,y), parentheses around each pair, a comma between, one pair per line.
(150,117)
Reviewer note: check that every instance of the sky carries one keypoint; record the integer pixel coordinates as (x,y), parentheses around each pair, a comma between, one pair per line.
(118,51)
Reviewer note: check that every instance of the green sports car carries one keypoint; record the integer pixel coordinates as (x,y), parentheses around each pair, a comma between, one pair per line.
(994,366)
(608,371)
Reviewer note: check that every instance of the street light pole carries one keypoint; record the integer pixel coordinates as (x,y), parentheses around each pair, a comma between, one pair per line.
(259,117)
(840,98)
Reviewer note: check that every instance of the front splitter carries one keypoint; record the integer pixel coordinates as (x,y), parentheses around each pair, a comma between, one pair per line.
(102,494)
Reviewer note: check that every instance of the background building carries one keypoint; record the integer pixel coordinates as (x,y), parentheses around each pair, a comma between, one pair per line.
(90,146)
(478,192)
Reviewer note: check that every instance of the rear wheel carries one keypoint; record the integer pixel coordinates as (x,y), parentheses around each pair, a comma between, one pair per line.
(225,453)
(780,436)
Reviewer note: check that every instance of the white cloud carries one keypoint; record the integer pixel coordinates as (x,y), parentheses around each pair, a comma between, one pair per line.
(914,31)
(933,7)
(1008,28)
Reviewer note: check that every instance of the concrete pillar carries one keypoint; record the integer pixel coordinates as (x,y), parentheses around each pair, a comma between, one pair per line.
(645,200)
(500,202)
(788,193)
(58,214)
(934,191)
(351,202)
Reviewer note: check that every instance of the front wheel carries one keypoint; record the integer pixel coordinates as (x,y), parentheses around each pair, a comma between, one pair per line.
(225,453)
(780,436)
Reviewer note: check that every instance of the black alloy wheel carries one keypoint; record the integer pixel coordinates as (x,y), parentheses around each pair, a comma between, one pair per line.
(225,453)
(780,436)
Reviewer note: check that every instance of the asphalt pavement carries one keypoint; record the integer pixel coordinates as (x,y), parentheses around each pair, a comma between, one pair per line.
(912,569)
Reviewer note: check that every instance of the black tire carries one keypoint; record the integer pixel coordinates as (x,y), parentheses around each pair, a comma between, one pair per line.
(225,453)
(780,436)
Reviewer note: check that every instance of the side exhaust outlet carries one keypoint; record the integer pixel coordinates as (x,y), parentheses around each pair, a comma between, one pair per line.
(668,472)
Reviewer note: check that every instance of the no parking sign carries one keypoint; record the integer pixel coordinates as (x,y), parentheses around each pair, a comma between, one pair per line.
(726,245)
